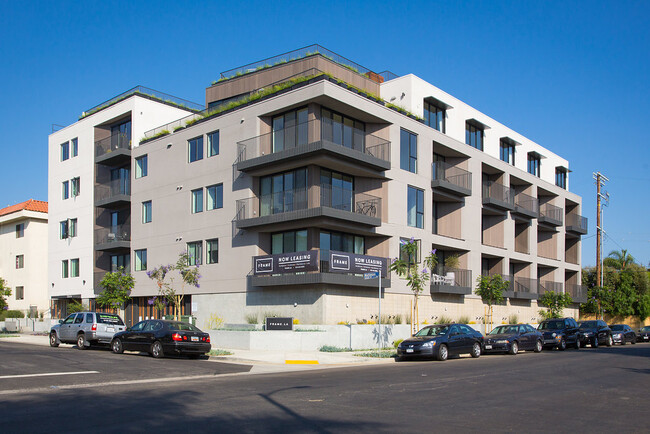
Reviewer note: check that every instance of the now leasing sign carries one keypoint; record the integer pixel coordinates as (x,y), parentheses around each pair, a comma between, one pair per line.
(286,263)
(342,262)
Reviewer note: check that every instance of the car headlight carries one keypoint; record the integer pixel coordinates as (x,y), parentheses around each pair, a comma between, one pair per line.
(557,338)
(502,341)
(617,335)
(553,335)
(429,344)
(587,334)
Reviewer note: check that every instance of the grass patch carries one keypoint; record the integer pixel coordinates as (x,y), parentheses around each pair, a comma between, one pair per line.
(218,352)
(9,335)
(332,349)
(384,354)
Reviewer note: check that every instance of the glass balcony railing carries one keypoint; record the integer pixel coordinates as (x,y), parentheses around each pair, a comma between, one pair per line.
(113,234)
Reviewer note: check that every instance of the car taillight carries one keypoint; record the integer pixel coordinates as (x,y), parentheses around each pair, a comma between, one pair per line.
(184,337)
(207,339)
(94,327)
(177,337)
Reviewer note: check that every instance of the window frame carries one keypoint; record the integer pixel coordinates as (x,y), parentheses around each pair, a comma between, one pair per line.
(72,228)
(196,205)
(408,161)
(65,151)
(507,150)
(209,253)
(561,171)
(74,147)
(198,259)
(75,186)
(65,190)
(65,269)
(419,194)
(20,292)
(440,115)
(20,230)
(147,211)
(139,264)
(197,154)
(142,170)
(20,262)
(218,197)
(210,139)
(472,131)
(74,272)
(534,165)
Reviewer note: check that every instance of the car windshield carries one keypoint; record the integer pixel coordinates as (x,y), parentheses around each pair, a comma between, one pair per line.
(504,329)
(588,324)
(645,329)
(183,326)
(617,328)
(551,325)
(106,318)
(437,330)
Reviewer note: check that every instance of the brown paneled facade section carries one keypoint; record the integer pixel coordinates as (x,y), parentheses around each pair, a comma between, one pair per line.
(493,229)
(138,309)
(547,244)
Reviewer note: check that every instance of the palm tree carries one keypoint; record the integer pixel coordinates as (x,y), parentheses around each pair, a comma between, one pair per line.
(619,260)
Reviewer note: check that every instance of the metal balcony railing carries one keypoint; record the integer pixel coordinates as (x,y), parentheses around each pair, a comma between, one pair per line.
(499,192)
(578,293)
(577,221)
(443,171)
(526,284)
(113,234)
(548,286)
(452,277)
(551,212)
(114,188)
(112,143)
(527,202)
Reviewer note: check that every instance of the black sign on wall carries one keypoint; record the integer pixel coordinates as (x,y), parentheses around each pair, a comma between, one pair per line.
(286,263)
(279,323)
(342,262)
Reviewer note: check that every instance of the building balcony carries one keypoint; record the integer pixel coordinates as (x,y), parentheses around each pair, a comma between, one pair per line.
(548,286)
(522,288)
(116,193)
(327,144)
(578,293)
(550,214)
(322,202)
(452,281)
(113,150)
(113,238)
(576,223)
(498,195)
(447,179)
(526,205)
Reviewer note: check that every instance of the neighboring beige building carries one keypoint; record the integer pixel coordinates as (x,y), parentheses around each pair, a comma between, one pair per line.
(23,256)
(310,152)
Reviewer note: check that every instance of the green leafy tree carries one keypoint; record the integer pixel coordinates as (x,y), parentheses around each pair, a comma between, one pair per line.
(5,291)
(491,289)
(555,304)
(643,307)
(76,306)
(619,259)
(117,287)
(408,267)
(167,293)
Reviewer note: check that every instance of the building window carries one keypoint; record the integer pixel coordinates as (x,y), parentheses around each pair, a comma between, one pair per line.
(197,200)
(63,229)
(213,143)
(74,267)
(215,197)
(408,151)
(341,242)
(560,177)
(337,190)
(341,130)
(75,147)
(121,135)
(283,192)
(410,259)
(507,152)
(76,186)
(534,163)
(141,169)
(415,207)
(195,148)
(194,250)
(289,242)
(20,230)
(146,212)
(212,247)
(20,261)
(72,228)
(20,292)
(290,130)
(434,116)
(474,135)
(65,151)
(120,261)
(65,190)
(140,260)
(64,269)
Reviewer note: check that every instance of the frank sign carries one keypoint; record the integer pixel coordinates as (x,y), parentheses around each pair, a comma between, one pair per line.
(286,263)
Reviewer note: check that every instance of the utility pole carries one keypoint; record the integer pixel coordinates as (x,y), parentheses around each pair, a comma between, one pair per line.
(600,182)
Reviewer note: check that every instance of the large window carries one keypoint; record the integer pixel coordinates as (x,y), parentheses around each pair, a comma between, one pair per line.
(75,146)
(560,177)
(120,261)
(20,261)
(342,130)
(65,151)
(290,130)
(197,200)
(288,242)
(212,251)
(20,292)
(65,189)
(195,147)
(64,229)
(74,267)
(20,230)
(215,197)
(507,152)
(283,192)
(140,259)
(337,190)
(141,166)
(121,135)
(534,163)
(434,116)
(146,212)
(76,186)
(195,252)
(64,269)
(213,143)
(408,151)
(121,181)
(474,135)
(72,232)
(415,212)
(341,242)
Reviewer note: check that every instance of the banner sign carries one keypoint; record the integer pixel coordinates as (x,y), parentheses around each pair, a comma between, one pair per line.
(342,262)
(279,323)
(286,263)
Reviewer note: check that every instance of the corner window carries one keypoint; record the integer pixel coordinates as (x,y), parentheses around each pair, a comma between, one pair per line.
(75,147)
(20,261)
(65,190)
(194,250)
(283,192)
(560,177)
(141,169)
(434,116)
(338,129)
(146,212)
(76,186)
(20,230)
(213,143)
(20,292)
(341,242)
(197,201)
(474,135)
(289,130)
(215,197)
(288,242)
(74,267)
(408,151)
(65,151)
(195,147)
(140,260)
(507,152)
(534,163)
(212,251)
(415,207)
(64,269)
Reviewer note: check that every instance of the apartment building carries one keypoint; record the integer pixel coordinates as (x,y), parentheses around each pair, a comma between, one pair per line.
(23,252)
(304,166)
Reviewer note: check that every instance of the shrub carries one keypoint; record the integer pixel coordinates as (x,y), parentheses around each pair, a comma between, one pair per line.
(397,342)
(398,319)
(15,314)
(513,319)
(251,318)
(333,349)
(214,322)
(76,306)
(444,320)
(463,319)
(387,319)
(343,323)
(218,352)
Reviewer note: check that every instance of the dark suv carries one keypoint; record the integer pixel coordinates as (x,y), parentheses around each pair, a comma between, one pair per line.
(560,332)
(595,332)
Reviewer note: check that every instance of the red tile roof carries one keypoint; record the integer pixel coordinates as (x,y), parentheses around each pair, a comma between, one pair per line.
(28,205)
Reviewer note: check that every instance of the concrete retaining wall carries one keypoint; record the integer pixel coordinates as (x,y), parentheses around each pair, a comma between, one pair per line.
(26,325)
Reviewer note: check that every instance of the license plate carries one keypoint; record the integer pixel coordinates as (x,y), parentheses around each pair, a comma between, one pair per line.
(110,329)
(195,338)
(645,337)
(409,350)
(488,347)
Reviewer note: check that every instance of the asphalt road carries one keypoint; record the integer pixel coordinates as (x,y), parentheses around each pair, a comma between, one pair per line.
(594,390)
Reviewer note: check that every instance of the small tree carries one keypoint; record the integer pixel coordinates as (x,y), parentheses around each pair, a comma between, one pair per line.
(491,289)
(407,266)
(117,287)
(167,294)
(76,306)
(5,291)
(555,303)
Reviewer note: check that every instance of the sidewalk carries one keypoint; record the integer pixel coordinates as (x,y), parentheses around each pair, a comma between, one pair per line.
(270,359)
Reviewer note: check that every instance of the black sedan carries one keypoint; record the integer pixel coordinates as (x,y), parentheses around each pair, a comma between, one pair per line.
(159,337)
(594,333)
(622,334)
(512,338)
(643,334)
(442,340)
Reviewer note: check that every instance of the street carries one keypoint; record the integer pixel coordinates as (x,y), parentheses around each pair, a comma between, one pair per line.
(596,390)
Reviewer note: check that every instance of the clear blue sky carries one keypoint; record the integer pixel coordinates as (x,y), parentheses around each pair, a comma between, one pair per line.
(572,76)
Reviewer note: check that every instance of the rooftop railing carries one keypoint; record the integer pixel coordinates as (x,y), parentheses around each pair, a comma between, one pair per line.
(527,202)
(112,143)
(496,191)
(443,171)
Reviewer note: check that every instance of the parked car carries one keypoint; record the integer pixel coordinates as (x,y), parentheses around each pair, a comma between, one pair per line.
(512,338)
(442,340)
(160,337)
(623,333)
(595,332)
(86,329)
(643,335)
(559,333)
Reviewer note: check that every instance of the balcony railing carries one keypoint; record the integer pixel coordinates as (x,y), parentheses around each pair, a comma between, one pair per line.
(113,234)
(498,195)
(112,143)
(526,204)
(525,287)
(446,277)
(578,293)
(548,286)
(450,177)
(576,223)
(551,214)
(116,188)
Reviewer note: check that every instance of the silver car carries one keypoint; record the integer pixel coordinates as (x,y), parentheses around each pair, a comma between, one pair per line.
(86,329)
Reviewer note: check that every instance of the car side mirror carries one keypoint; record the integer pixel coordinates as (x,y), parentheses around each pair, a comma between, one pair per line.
(60,321)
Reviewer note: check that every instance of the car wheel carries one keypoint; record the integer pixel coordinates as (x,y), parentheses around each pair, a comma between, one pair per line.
(623,341)
(157,350)
(476,350)
(538,347)
(562,345)
(514,348)
(53,340)
(117,347)
(594,343)
(633,341)
(610,341)
(81,341)
(577,344)
(443,353)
